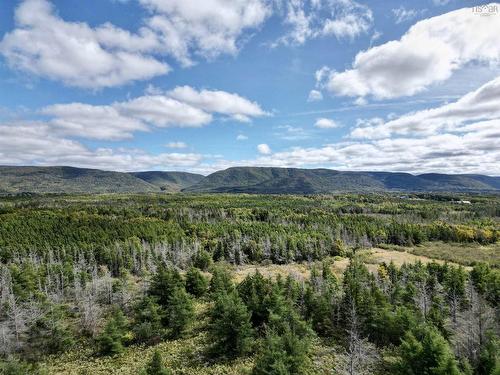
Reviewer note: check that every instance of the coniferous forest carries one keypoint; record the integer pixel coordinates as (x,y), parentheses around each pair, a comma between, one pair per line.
(250,284)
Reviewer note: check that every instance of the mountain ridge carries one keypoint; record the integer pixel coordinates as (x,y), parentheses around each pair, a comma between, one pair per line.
(272,180)
(256,180)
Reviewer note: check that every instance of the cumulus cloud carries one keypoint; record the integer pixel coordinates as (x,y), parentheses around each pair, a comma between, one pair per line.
(478,151)
(428,53)
(241,137)
(326,123)
(264,149)
(204,28)
(478,105)
(37,144)
(177,144)
(181,107)
(89,121)
(163,111)
(45,45)
(218,101)
(311,19)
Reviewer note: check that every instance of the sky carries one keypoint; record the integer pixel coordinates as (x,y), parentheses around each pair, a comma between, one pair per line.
(203,85)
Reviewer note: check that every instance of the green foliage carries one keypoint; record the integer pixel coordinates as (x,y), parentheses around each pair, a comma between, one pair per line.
(285,354)
(221,281)
(113,338)
(230,329)
(179,313)
(489,359)
(164,283)
(156,366)
(196,283)
(16,367)
(148,326)
(425,351)
(88,252)
(202,260)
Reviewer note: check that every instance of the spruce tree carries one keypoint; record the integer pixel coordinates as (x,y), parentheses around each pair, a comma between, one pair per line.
(425,351)
(196,283)
(148,326)
(163,284)
(112,339)
(230,329)
(155,365)
(180,312)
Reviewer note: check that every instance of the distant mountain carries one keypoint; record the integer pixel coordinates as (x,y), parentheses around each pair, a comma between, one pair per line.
(169,181)
(310,181)
(69,180)
(235,180)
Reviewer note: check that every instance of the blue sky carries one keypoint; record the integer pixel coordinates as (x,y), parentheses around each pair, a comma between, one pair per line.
(204,85)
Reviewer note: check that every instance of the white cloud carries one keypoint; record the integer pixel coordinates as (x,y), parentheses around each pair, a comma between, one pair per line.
(478,151)
(36,144)
(205,28)
(326,123)
(241,137)
(427,54)
(311,19)
(264,149)
(45,45)
(163,111)
(88,121)
(402,14)
(478,105)
(176,145)
(314,96)
(181,107)
(239,108)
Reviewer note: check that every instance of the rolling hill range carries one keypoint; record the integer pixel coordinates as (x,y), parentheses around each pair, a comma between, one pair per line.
(310,181)
(81,180)
(257,180)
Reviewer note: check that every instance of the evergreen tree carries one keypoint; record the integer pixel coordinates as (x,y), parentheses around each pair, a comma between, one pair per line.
(180,312)
(230,328)
(163,284)
(196,283)
(285,354)
(255,291)
(148,326)
(112,339)
(424,351)
(202,260)
(221,281)
(489,359)
(156,366)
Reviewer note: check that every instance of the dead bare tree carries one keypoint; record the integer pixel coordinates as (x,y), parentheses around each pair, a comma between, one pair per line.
(361,356)
(473,324)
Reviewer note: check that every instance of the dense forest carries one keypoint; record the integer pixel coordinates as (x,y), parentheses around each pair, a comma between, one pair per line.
(186,284)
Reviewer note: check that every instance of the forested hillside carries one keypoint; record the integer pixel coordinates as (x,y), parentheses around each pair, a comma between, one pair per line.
(69,180)
(240,284)
(313,181)
(235,180)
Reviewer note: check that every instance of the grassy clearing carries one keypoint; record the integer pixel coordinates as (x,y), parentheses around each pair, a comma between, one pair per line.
(464,254)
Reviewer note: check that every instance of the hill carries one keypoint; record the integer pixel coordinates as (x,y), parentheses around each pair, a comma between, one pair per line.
(69,180)
(257,180)
(309,181)
(169,181)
